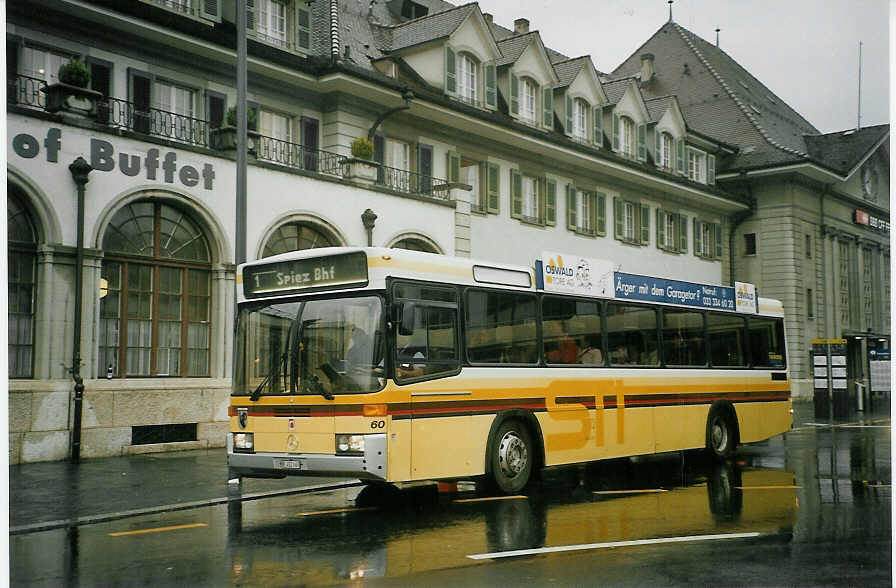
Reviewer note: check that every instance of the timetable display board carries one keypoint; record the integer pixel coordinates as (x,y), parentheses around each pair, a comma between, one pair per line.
(301,275)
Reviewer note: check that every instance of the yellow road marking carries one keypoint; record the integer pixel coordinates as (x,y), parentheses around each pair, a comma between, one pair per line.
(335,511)
(487,498)
(644,491)
(768,487)
(158,529)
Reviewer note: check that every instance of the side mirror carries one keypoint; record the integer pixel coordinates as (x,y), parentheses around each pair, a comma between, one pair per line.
(407,312)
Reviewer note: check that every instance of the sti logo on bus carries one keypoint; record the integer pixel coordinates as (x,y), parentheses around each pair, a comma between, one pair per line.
(348,269)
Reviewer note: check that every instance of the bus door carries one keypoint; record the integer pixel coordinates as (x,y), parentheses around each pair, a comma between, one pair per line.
(426,355)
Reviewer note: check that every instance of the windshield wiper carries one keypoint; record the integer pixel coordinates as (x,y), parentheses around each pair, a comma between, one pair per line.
(256,394)
(312,384)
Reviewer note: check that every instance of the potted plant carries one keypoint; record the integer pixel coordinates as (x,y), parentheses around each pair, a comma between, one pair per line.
(70,93)
(360,166)
(224,137)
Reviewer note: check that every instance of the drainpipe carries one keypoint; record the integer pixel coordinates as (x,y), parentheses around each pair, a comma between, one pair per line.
(79,169)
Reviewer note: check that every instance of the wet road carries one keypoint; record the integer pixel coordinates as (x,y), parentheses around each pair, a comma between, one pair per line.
(812,508)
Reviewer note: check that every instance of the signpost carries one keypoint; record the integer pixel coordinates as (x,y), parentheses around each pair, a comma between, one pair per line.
(829,367)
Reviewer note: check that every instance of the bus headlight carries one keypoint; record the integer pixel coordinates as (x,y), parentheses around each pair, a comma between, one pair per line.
(244,441)
(350,444)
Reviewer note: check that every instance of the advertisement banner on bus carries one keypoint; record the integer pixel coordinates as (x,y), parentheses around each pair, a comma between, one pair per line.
(651,289)
(746,297)
(574,274)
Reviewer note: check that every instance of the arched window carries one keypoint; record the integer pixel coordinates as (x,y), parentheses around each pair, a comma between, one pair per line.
(414,244)
(528,93)
(155,303)
(295,236)
(467,78)
(22,252)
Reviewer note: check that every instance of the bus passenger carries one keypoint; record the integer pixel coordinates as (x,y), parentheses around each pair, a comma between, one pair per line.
(565,349)
(591,354)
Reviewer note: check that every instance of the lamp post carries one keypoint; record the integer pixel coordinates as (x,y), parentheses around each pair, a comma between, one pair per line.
(79,169)
(368,217)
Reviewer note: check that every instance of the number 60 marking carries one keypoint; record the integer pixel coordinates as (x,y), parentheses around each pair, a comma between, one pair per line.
(377,424)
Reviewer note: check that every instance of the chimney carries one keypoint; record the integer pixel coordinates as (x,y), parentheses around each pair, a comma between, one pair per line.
(521,26)
(647,70)
(488,17)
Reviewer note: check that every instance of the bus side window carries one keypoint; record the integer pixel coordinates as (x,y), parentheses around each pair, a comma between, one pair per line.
(429,348)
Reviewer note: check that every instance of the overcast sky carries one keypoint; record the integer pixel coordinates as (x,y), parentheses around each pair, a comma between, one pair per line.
(805,51)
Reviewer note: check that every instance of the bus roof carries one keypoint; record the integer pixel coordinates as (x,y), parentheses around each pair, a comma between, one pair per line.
(383,263)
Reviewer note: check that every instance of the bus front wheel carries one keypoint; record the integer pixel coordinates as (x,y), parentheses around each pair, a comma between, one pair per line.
(511,457)
(721,435)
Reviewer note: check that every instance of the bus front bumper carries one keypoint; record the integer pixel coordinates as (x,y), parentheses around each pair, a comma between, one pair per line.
(369,466)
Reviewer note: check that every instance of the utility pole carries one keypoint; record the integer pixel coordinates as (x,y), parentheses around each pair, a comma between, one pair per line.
(859,121)
(241,131)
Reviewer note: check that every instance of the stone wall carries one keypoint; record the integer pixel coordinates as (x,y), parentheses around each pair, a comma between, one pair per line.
(40,415)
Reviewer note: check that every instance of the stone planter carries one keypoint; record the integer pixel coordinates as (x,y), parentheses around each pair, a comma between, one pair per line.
(224,138)
(63,97)
(362,170)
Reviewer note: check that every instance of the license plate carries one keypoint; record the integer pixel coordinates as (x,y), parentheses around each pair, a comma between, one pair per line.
(292,464)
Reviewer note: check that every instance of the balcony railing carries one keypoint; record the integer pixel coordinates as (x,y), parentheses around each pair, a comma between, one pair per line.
(153,121)
(298,156)
(25,91)
(412,183)
(121,114)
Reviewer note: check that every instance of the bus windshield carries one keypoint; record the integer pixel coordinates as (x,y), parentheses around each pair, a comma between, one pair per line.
(324,346)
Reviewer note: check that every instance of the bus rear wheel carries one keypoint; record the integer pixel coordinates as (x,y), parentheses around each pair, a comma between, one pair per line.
(721,436)
(511,457)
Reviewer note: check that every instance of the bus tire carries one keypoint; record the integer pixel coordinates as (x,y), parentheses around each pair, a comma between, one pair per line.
(721,432)
(512,456)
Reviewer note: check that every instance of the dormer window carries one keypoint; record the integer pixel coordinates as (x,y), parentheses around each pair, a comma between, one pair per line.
(467,78)
(664,153)
(580,119)
(282,23)
(528,92)
(696,166)
(271,25)
(627,136)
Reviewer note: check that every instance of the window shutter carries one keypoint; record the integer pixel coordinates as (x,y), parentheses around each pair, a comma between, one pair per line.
(141,95)
(679,156)
(601,213)
(250,15)
(717,229)
(453,166)
(491,89)
(215,106)
(658,148)
(516,194)
(514,94)
(251,108)
(698,239)
(211,9)
(711,169)
(645,224)
(551,203)
(540,199)
(450,71)
(424,168)
(568,128)
(593,208)
(642,142)
(597,119)
(303,26)
(660,229)
(493,179)
(547,107)
(683,234)
(615,132)
(619,222)
(571,207)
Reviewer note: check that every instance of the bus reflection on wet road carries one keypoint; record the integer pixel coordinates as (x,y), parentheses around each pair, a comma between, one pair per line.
(418,529)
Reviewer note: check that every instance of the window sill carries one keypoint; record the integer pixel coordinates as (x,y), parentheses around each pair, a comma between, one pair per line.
(586,233)
(531,220)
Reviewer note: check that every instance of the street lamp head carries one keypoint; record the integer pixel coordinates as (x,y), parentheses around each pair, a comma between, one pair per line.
(79,169)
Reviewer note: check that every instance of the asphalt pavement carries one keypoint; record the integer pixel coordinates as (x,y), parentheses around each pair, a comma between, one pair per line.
(52,495)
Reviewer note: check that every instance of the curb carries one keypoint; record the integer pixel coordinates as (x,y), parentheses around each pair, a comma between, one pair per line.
(102,518)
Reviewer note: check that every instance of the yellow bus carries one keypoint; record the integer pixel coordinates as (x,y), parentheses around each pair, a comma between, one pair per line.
(399,366)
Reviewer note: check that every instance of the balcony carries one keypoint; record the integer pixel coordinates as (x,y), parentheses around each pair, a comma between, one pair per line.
(25,92)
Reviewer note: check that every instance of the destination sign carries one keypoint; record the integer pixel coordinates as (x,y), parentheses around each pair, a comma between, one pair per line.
(305,274)
(650,289)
